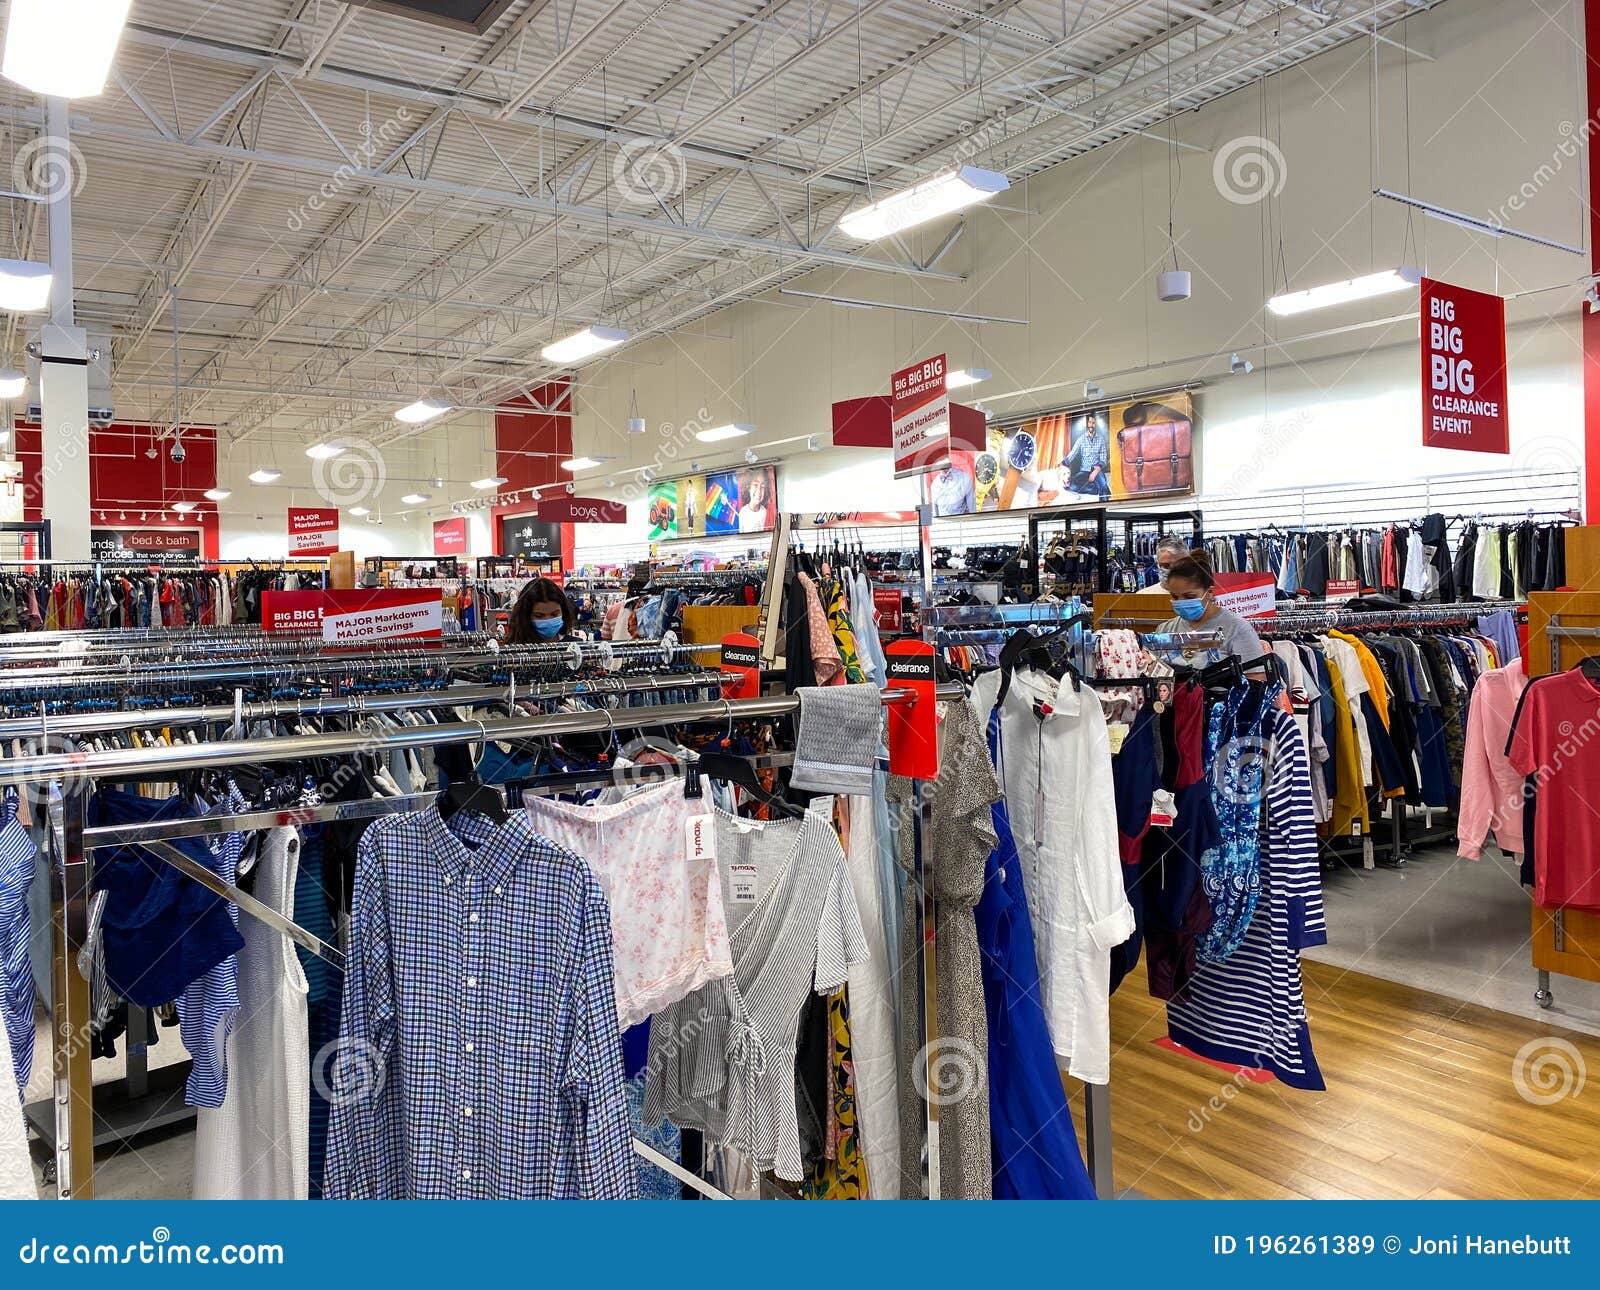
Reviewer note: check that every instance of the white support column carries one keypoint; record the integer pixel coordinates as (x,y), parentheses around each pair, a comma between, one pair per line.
(63,374)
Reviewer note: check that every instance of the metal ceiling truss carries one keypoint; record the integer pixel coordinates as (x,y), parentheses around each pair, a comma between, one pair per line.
(321,258)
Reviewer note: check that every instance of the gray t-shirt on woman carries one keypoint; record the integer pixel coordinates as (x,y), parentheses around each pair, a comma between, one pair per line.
(1238,639)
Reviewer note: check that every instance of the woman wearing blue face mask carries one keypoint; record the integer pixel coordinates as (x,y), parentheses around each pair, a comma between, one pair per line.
(1192,586)
(542,614)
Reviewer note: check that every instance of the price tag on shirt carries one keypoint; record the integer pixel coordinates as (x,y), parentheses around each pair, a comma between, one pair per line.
(700,838)
(1163,810)
(1116,732)
(744,883)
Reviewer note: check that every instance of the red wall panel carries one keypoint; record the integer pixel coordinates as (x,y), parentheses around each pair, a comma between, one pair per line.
(529,450)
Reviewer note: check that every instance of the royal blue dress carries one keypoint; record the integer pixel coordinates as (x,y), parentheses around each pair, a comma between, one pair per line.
(1035,1147)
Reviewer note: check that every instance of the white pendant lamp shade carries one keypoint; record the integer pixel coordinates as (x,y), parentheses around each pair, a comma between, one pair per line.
(183,508)
(24,286)
(415,499)
(218,494)
(265,475)
(487,482)
(942,195)
(583,344)
(63,48)
(583,463)
(965,376)
(1344,292)
(414,414)
(323,451)
(12,384)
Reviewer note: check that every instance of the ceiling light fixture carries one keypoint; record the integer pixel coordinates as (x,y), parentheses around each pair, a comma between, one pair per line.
(63,48)
(1173,285)
(751,456)
(1092,391)
(1240,366)
(964,376)
(1344,292)
(583,344)
(941,195)
(323,451)
(414,414)
(265,475)
(488,482)
(583,463)
(12,384)
(360,510)
(716,434)
(24,286)
(218,494)
(183,508)
(415,499)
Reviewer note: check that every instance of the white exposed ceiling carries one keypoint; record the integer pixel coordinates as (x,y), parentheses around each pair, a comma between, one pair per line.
(344,208)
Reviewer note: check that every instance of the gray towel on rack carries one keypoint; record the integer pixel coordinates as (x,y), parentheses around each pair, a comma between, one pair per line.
(839,737)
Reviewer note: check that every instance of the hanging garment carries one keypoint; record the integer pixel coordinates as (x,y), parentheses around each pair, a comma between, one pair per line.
(1250,1010)
(1491,790)
(958,845)
(481,1054)
(323,984)
(669,932)
(254,1146)
(1055,767)
(16,1164)
(872,1014)
(1231,871)
(161,929)
(723,1059)
(1036,1155)
(208,1007)
(1551,739)
(18,859)
(1486,565)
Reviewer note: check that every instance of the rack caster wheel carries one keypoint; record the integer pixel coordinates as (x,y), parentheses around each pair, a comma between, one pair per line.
(47,1173)
(1543,998)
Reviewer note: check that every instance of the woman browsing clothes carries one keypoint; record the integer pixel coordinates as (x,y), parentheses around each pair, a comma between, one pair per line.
(1192,586)
(542,613)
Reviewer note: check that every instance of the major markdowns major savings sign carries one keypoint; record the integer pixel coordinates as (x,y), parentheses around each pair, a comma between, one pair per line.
(1463,369)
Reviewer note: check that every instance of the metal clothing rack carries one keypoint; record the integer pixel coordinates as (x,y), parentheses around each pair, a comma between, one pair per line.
(70,779)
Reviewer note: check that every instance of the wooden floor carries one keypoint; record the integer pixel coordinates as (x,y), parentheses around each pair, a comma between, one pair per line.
(1421,1103)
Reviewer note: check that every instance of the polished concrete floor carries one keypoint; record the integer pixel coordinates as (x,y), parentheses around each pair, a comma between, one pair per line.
(1457,928)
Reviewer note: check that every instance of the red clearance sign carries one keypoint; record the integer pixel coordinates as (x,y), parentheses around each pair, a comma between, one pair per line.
(920,412)
(1463,369)
(313,530)
(450,536)
(581,510)
(353,617)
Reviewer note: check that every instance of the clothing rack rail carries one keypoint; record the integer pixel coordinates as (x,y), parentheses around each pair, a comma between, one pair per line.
(70,779)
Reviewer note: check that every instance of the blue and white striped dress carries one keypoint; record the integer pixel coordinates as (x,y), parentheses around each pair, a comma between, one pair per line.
(1250,1010)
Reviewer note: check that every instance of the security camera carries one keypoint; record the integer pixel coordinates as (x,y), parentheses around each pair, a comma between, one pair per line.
(178,451)
(751,456)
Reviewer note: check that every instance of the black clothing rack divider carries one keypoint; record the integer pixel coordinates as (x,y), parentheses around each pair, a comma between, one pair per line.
(68,1120)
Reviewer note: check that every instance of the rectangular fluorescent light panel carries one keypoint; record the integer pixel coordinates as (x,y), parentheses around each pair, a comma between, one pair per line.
(580,463)
(964,376)
(718,433)
(942,195)
(63,48)
(1343,293)
(583,344)
(491,481)
(415,499)
(414,414)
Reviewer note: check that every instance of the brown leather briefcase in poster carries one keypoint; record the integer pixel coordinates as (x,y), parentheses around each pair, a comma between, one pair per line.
(1157,447)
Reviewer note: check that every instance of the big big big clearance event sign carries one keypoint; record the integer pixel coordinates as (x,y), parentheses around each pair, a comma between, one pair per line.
(1463,369)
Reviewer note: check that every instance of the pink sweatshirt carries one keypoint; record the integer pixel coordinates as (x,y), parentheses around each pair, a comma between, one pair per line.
(1491,791)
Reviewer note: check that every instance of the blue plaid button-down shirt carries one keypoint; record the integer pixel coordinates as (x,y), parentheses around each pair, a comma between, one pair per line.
(479,1054)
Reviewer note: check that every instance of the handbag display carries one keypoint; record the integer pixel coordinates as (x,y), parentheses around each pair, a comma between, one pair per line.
(1157,447)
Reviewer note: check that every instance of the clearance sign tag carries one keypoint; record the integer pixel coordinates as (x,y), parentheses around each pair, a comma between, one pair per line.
(1463,369)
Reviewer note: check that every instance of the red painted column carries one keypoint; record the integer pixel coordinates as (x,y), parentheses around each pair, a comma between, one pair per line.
(1591,322)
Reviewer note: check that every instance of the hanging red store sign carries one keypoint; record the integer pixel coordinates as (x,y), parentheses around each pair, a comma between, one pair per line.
(313,530)
(1463,369)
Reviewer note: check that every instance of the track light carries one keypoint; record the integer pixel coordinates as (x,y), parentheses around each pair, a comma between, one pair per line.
(1240,366)
(813,443)
(647,475)
(1092,391)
